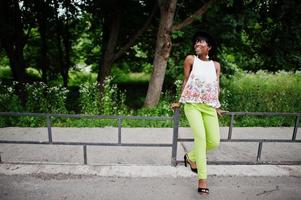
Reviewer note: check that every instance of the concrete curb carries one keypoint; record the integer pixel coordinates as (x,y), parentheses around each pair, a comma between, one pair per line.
(150,171)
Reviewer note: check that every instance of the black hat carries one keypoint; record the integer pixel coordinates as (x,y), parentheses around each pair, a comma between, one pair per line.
(202,35)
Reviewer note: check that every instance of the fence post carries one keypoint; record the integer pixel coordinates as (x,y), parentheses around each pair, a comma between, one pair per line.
(119,129)
(231,127)
(85,154)
(258,159)
(176,119)
(49,128)
(296,127)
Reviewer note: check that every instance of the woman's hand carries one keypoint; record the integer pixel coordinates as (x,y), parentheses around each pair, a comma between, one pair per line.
(175,105)
(220,112)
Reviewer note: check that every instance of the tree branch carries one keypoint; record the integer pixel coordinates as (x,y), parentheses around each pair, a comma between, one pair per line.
(135,37)
(192,18)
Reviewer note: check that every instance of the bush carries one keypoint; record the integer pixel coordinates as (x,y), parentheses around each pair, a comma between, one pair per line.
(40,99)
(9,101)
(112,102)
(247,92)
(89,99)
(263,92)
(44,99)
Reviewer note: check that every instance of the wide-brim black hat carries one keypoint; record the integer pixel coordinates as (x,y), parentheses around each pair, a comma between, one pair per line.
(207,37)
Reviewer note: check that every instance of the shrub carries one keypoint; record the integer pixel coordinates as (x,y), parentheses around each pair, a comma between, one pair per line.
(263,92)
(247,92)
(89,99)
(112,102)
(44,99)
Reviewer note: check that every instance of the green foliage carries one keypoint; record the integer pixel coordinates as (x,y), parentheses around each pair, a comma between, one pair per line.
(89,98)
(9,101)
(177,34)
(4,61)
(32,72)
(139,53)
(229,61)
(263,92)
(5,72)
(111,102)
(78,77)
(41,98)
(249,92)
(132,77)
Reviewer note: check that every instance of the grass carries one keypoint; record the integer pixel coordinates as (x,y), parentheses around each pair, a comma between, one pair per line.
(132,77)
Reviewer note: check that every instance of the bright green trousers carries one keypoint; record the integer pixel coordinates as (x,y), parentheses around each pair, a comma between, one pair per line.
(204,123)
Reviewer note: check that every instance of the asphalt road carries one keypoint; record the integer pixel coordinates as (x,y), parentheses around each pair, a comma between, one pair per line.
(76,187)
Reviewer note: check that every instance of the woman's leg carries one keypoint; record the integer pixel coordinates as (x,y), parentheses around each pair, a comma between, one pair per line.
(212,131)
(211,125)
(204,123)
(198,154)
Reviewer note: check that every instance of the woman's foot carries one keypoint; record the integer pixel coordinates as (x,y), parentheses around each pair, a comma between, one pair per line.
(192,164)
(202,186)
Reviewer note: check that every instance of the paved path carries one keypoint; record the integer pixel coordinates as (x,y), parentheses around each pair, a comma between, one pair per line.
(70,187)
(147,182)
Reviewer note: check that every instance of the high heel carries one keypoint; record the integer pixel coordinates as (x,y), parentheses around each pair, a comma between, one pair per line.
(195,170)
(203,191)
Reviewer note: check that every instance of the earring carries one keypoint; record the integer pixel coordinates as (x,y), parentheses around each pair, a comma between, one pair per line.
(207,56)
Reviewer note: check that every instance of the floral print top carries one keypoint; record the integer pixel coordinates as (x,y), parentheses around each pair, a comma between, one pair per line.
(202,85)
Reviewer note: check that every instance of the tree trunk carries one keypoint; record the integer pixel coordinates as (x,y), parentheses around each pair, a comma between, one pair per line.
(13,38)
(59,27)
(16,60)
(163,48)
(43,62)
(67,46)
(111,27)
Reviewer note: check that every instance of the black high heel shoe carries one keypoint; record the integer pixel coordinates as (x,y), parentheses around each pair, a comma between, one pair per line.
(195,170)
(203,191)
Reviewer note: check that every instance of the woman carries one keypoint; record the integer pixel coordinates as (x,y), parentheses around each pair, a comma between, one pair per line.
(200,96)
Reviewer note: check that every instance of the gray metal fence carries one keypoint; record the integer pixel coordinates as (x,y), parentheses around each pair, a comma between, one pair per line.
(260,142)
(175,124)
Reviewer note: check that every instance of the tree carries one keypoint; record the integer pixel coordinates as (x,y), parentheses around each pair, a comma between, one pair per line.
(257,35)
(42,15)
(13,38)
(112,16)
(164,45)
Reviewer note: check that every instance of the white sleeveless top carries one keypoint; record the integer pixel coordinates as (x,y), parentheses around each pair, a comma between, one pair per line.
(202,85)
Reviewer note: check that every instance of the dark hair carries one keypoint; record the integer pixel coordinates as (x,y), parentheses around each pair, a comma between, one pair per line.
(202,35)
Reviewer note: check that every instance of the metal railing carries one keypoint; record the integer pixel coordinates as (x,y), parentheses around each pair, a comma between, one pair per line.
(259,141)
(175,121)
(85,144)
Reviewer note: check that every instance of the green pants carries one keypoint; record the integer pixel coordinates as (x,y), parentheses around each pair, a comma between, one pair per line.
(204,123)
